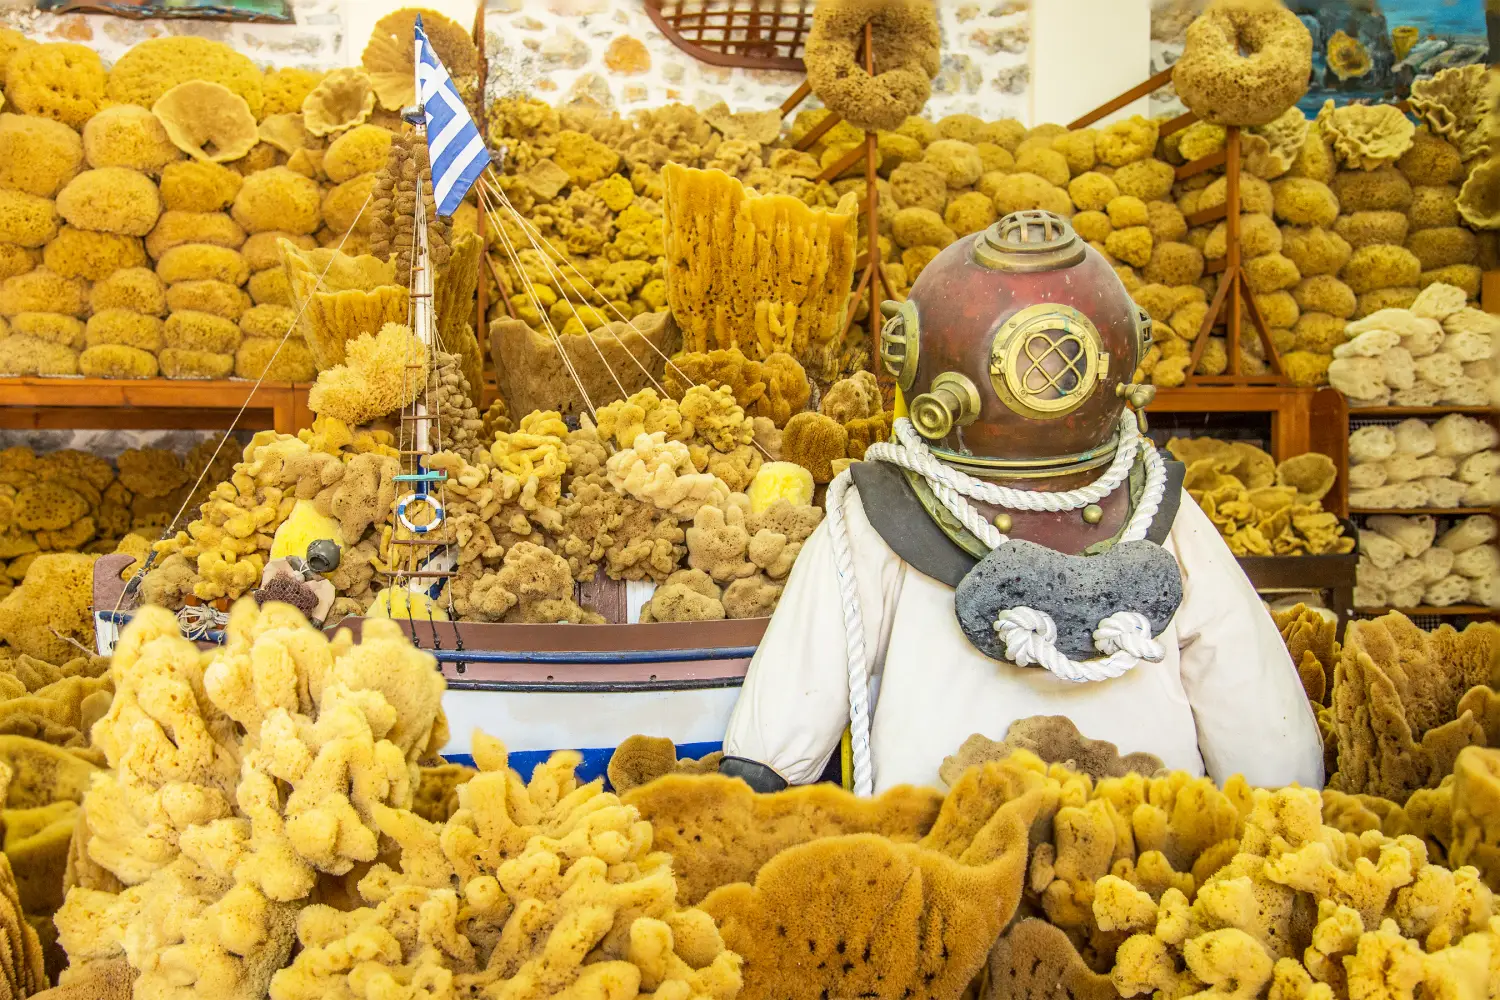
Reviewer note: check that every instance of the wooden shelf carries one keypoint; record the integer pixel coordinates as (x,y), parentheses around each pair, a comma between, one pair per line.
(1378,412)
(1452,609)
(1435,511)
(154,403)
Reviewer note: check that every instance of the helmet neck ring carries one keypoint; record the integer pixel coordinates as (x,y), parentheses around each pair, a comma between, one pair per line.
(984,467)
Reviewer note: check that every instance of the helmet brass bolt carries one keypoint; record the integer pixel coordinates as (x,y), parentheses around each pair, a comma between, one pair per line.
(1003,523)
(1093,514)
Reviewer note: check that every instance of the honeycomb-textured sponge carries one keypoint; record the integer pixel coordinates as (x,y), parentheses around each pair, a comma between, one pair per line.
(117,361)
(293,362)
(29,356)
(1093,227)
(916,227)
(1270,273)
(15,259)
(1092,191)
(201,332)
(111,200)
(129,136)
(123,328)
(270,287)
(1278,309)
(1306,368)
(1173,264)
(1324,293)
(179,363)
(1318,332)
(79,253)
(1166,223)
(1020,192)
(1259,235)
(267,321)
(1376,190)
(348,207)
(278,199)
(1362,229)
(1046,163)
(1399,297)
(206,295)
(1127,210)
(156,65)
(55,328)
(37,155)
(285,88)
(1316,251)
(1444,247)
(1433,207)
(1468,277)
(261,250)
(1381,266)
(42,291)
(175,228)
(1148,180)
(202,262)
(61,81)
(361,150)
(199,186)
(1243,63)
(969,213)
(1304,202)
(958,161)
(26,220)
(1126,141)
(1431,160)
(1079,148)
(1133,245)
(136,289)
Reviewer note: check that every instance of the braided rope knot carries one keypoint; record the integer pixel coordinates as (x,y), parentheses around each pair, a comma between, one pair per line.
(199,619)
(1124,637)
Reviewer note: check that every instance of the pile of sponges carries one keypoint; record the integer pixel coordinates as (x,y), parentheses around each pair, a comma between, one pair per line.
(1439,351)
(1452,462)
(1405,563)
(1261,507)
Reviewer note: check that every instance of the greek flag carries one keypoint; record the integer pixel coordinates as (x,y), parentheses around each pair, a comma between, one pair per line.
(455,146)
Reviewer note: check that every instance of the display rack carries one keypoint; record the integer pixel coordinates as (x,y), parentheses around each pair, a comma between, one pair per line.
(151,404)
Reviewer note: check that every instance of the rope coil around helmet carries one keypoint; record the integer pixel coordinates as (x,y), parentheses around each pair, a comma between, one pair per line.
(1030,635)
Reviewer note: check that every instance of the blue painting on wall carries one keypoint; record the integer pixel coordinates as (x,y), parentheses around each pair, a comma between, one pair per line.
(1370,51)
(231,10)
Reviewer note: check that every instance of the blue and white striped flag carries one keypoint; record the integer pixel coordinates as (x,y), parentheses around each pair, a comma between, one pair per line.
(455,146)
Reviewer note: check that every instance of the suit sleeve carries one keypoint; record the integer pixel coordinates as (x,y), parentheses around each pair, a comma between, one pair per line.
(794,705)
(1252,715)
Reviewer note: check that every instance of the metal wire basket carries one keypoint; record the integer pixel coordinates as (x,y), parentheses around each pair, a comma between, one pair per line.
(752,34)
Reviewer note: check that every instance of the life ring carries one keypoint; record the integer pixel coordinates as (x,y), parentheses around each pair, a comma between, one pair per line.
(1224,87)
(904,36)
(430,501)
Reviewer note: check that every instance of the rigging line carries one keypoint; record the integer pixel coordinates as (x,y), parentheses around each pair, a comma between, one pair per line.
(515,260)
(526,224)
(527,227)
(172,524)
(579,316)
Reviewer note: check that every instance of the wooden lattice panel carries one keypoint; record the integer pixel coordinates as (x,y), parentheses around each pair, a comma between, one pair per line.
(756,34)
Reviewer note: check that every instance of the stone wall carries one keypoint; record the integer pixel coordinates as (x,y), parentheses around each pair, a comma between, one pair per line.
(609,51)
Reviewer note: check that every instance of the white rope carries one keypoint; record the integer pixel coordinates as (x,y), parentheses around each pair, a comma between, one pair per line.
(199,619)
(1030,636)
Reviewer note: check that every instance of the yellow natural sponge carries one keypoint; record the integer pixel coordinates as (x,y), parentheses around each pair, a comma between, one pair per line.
(1092,191)
(127,135)
(121,327)
(1316,251)
(372,380)
(1173,264)
(1362,229)
(1079,148)
(42,291)
(1304,202)
(1376,190)
(202,262)
(16,259)
(361,150)
(261,250)
(285,89)
(1272,272)
(1133,245)
(1166,222)
(267,321)
(970,212)
(175,228)
(270,287)
(969,128)
(61,81)
(1319,332)
(1324,293)
(1127,210)
(994,157)
(1006,132)
(1022,191)
(29,356)
(896,149)
(1433,207)
(117,361)
(1381,266)
(1259,235)
(136,289)
(1046,163)
(1126,141)
(1148,180)
(111,200)
(155,66)
(1467,277)
(179,363)
(1400,297)
(292,363)
(26,220)
(278,199)
(1431,160)
(1443,247)
(78,253)
(1306,368)
(201,332)
(1278,309)
(54,328)
(1093,227)
(37,155)
(958,161)
(206,295)
(1255,195)
(917,227)
(199,186)
(348,203)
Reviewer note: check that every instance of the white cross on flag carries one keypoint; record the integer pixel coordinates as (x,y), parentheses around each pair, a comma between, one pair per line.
(454,144)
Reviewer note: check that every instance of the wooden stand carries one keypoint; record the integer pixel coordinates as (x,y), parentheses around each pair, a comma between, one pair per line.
(151,404)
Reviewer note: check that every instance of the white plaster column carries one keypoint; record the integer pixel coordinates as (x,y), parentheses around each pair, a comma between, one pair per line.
(1085,52)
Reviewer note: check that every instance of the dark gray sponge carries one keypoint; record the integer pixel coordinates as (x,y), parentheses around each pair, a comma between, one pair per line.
(1077,591)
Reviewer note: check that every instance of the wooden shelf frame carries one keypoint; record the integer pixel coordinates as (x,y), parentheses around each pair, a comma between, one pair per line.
(28,403)
(1467,610)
